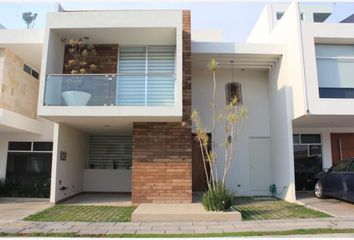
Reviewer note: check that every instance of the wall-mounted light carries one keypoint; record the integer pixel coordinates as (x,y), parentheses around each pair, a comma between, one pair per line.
(233,89)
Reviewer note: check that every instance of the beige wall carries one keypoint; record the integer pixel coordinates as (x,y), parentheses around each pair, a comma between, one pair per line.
(18,90)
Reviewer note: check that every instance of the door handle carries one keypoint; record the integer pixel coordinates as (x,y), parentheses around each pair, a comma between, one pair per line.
(340,148)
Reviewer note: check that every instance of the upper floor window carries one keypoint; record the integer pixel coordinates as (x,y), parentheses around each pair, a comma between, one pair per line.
(335,70)
(279,15)
(146,76)
(30,71)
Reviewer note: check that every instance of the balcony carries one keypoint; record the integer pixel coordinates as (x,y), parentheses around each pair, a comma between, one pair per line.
(148,90)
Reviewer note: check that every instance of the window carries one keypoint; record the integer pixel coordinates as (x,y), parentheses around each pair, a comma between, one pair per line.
(20,146)
(30,71)
(320,17)
(306,138)
(35,74)
(43,146)
(146,76)
(29,162)
(279,15)
(341,166)
(335,70)
(110,152)
(310,138)
(307,159)
(27,69)
(31,146)
(26,167)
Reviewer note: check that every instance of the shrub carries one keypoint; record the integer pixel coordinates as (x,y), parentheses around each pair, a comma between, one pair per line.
(217,198)
(33,188)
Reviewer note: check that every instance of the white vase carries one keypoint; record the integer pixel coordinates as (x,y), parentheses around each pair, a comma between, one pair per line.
(76,98)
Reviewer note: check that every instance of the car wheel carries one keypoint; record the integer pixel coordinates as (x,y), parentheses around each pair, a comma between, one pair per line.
(319,190)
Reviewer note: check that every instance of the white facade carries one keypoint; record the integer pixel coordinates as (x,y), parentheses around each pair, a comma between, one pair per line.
(277,68)
(138,28)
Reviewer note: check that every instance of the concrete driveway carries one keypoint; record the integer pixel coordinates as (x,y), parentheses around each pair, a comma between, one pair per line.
(13,209)
(332,206)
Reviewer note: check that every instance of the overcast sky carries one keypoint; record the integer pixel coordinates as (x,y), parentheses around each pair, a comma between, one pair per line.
(235,19)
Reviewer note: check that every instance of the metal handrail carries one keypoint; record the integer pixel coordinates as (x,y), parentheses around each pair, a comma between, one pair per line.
(115,74)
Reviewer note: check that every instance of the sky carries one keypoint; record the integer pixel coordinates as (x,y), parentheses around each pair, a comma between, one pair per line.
(235,19)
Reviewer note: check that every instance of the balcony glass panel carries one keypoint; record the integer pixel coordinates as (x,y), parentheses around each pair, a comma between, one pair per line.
(110,90)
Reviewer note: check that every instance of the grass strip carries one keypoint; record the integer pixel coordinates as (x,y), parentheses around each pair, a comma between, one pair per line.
(83,213)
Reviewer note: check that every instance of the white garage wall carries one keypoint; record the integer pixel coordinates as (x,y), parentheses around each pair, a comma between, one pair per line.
(70,171)
(256,99)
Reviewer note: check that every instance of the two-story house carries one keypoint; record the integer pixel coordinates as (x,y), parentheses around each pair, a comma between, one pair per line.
(126,127)
(25,138)
(318,60)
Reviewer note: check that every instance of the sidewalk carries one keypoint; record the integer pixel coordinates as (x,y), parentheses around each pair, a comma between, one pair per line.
(23,227)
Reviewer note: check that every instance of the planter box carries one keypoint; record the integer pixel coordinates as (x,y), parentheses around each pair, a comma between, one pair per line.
(178,212)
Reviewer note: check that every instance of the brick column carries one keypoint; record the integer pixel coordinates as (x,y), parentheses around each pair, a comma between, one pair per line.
(162,152)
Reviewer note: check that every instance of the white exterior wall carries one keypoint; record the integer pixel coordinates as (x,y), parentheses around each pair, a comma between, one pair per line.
(263,26)
(281,132)
(107,180)
(324,33)
(6,137)
(70,171)
(287,32)
(257,126)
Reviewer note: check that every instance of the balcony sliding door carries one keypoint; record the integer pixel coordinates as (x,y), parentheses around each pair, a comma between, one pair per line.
(146,76)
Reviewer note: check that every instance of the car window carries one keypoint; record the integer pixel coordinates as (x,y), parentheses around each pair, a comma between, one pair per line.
(351,168)
(341,166)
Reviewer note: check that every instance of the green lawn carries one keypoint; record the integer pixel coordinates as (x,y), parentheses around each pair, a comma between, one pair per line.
(271,208)
(83,214)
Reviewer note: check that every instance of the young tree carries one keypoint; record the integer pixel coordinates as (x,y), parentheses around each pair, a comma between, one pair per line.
(29,19)
(233,115)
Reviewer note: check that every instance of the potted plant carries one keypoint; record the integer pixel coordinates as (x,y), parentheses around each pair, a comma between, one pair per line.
(77,64)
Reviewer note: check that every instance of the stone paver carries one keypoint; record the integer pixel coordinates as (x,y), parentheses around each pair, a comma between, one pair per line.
(175,227)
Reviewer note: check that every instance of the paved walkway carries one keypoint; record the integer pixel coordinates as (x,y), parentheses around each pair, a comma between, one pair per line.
(332,206)
(12,209)
(174,227)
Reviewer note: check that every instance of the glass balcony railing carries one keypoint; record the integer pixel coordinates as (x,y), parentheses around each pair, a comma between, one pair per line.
(109,90)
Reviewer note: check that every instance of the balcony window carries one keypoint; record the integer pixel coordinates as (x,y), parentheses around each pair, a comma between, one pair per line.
(335,70)
(145,77)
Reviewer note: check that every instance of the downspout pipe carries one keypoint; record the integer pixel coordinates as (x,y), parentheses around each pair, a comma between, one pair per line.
(303,67)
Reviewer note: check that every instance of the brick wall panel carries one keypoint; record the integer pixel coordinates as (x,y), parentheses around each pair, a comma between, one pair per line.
(162,152)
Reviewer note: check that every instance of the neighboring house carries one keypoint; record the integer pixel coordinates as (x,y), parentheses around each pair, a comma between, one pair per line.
(25,139)
(127,128)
